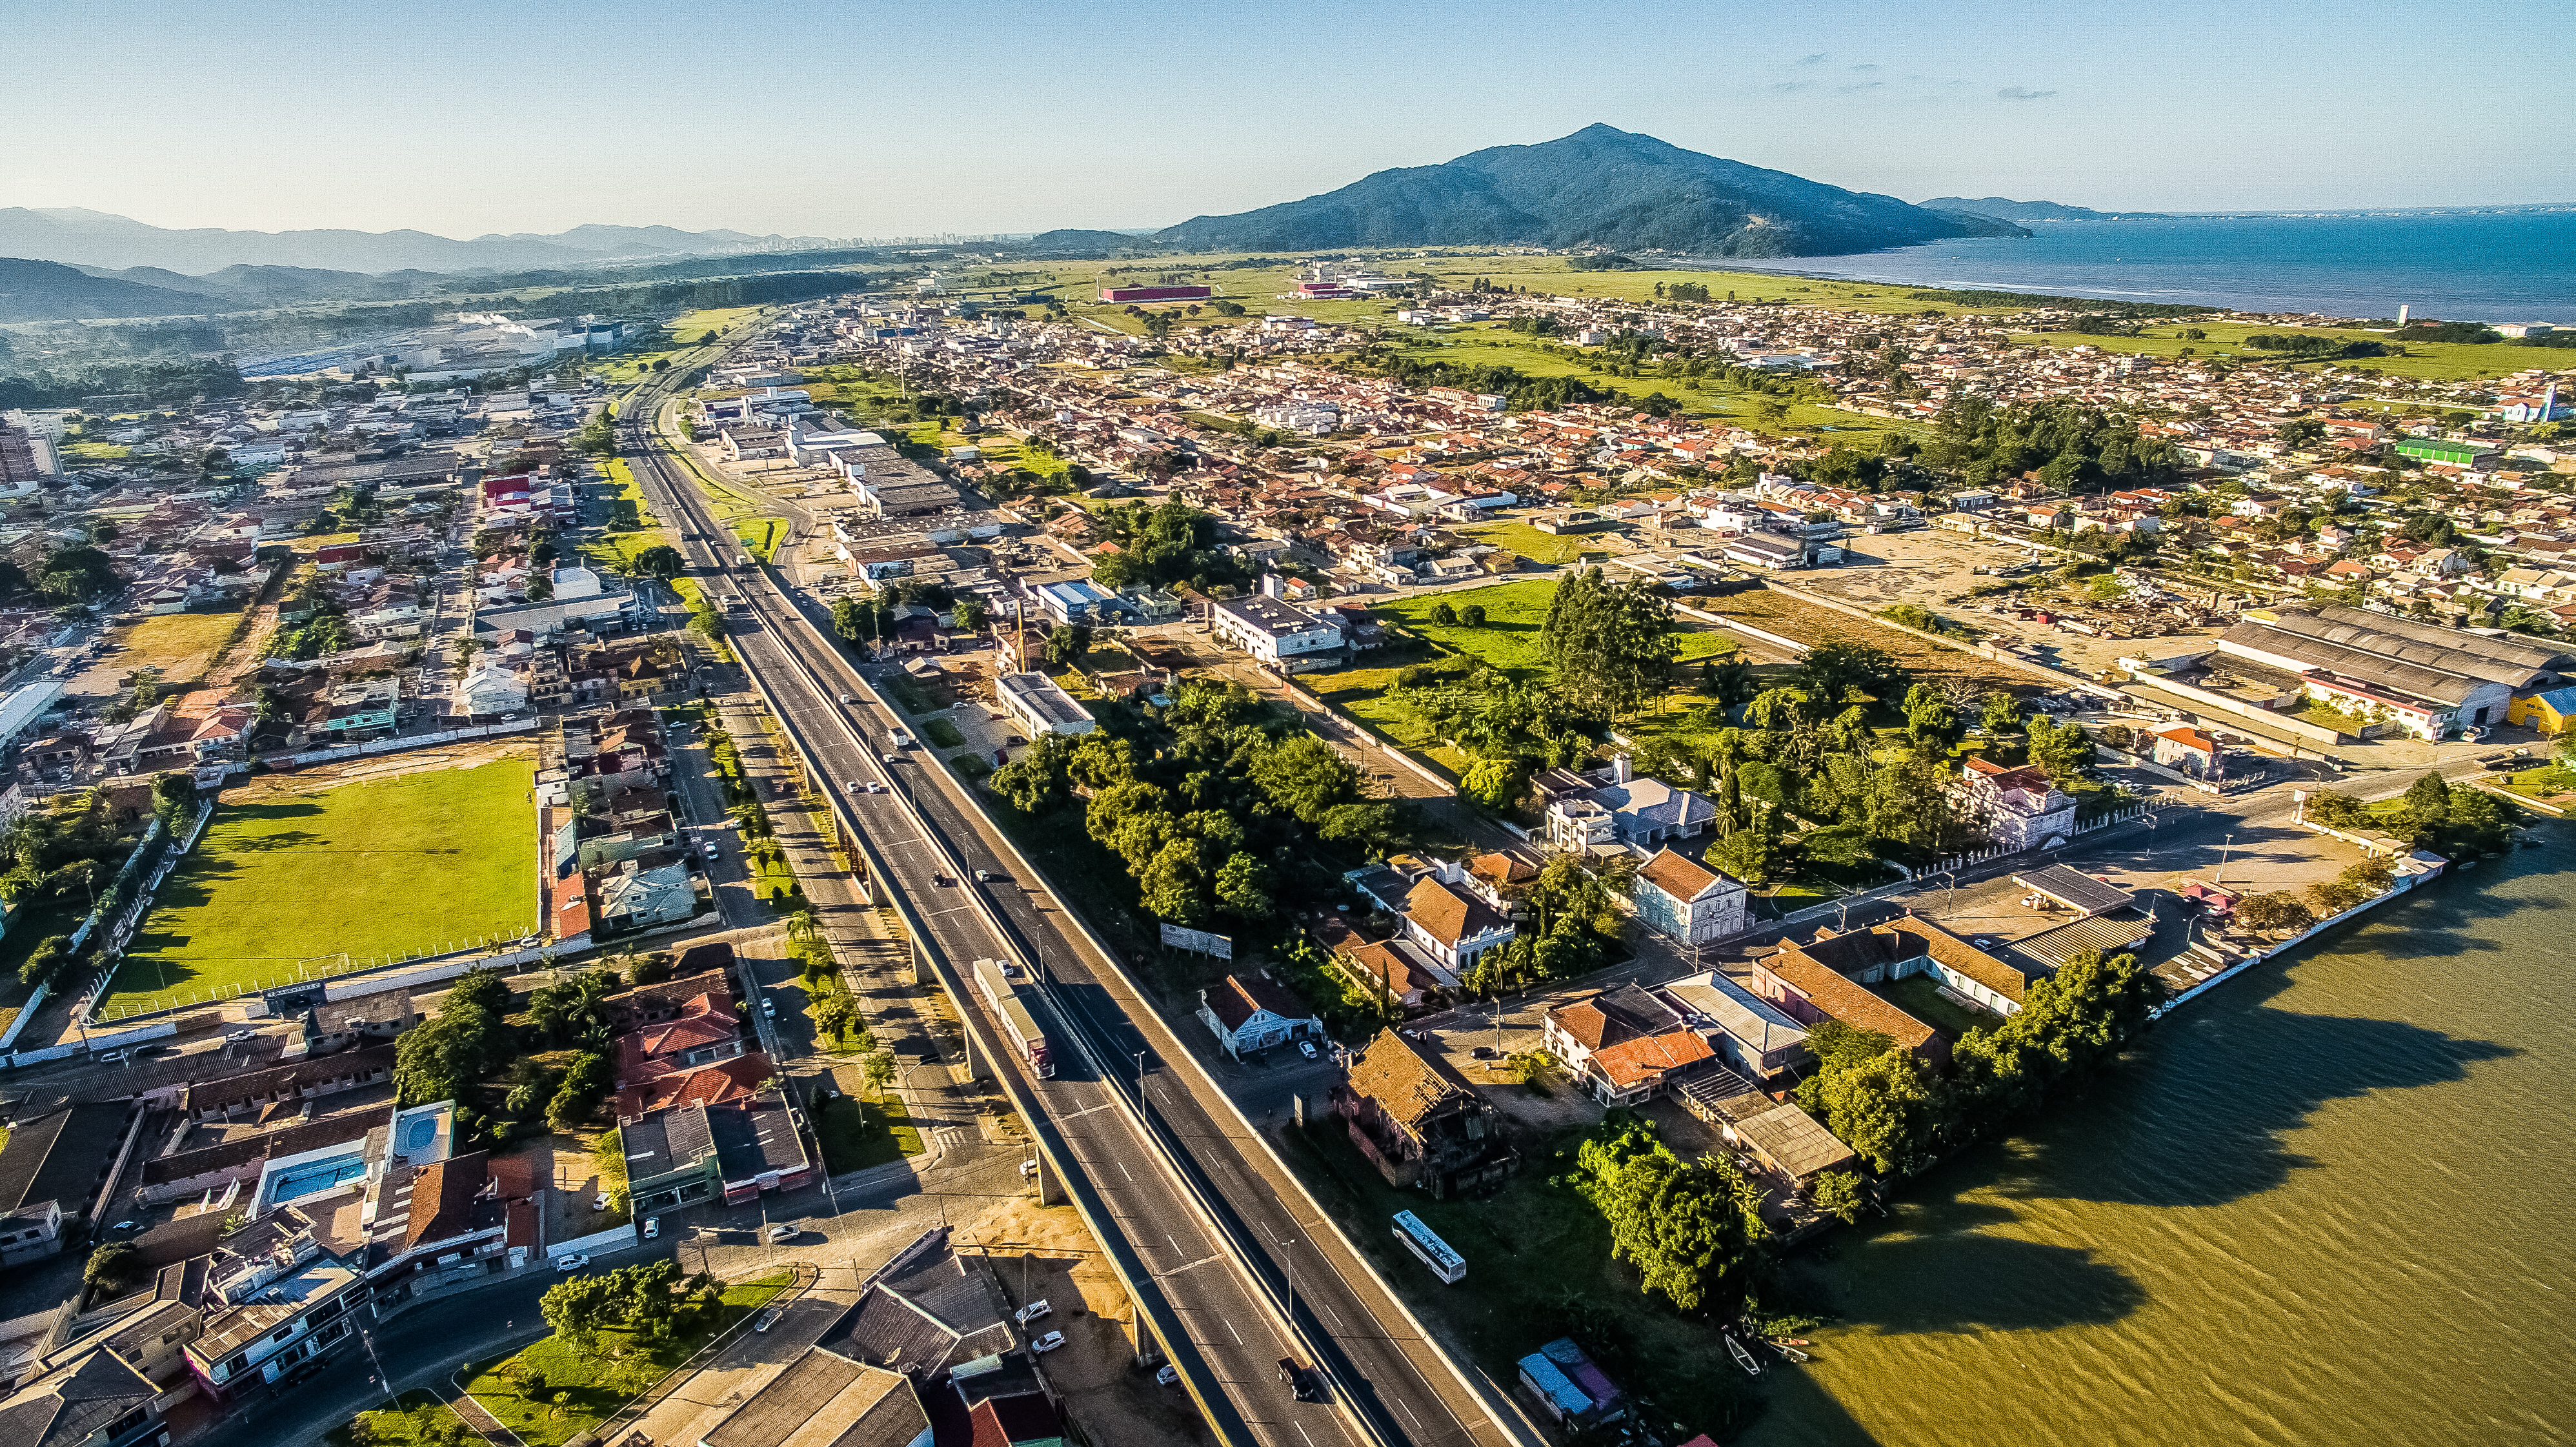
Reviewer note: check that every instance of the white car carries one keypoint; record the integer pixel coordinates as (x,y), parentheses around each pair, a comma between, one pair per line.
(1028,1170)
(1047,1343)
(1034,1311)
(986,876)
(652,1227)
(240,1037)
(765,1320)
(599,1202)
(779,1231)
(574,1262)
(893,758)
(1306,1048)
(849,698)
(901,738)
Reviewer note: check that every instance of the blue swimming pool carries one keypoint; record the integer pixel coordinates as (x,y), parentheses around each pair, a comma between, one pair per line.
(287,1185)
(418,1133)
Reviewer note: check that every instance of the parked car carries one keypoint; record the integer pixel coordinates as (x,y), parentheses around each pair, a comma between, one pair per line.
(1028,1170)
(1167,1374)
(778,1231)
(1034,1311)
(1047,1343)
(652,1227)
(574,1262)
(1306,1048)
(1481,1052)
(599,1202)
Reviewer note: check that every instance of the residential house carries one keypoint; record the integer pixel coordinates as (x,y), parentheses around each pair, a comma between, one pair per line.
(1624,1045)
(1612,808)
(2020,808)
(94,1401)
(1451,925)
(1255,1012)
(2187,750)
(1419,1121)
(1687,902)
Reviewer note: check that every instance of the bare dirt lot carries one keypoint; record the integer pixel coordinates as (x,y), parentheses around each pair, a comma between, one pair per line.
(1791,616)
(1937,569)
(1045,1253)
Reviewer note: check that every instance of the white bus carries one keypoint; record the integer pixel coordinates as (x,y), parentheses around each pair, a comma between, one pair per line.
(1435,1253)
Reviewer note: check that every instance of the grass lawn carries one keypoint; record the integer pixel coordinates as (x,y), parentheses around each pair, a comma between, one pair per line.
(942,733)
(1514,615)
(1919,997)
(96,451)
(373,869)
(1541,357)
(858,1134)
(1532,544)
(1538,1261)
(2432,361)
(420,1420)
(179,644)
(597,1380)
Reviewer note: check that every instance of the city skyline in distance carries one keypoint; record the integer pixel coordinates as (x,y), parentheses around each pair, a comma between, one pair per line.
(878,122)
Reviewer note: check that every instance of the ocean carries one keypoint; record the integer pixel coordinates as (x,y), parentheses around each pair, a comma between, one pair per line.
(2491,266)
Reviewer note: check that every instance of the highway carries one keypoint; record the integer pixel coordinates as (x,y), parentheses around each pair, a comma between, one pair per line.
(1234,1336)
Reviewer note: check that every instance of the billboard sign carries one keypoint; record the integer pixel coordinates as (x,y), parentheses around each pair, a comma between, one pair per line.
(1199,941)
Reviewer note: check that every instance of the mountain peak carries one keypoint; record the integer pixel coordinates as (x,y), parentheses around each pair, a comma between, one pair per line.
(1600,186)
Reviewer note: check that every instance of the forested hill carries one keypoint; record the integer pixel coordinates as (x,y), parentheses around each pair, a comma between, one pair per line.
(45,291)
(1597,187)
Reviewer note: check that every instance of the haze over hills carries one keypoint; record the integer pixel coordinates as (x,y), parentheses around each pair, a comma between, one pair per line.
(2004,209)
(45,291)
(101,239)
(1600,186)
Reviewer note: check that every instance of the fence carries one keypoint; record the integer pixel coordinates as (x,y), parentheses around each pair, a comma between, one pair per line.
(407,969)
(396,745)
(1998,851)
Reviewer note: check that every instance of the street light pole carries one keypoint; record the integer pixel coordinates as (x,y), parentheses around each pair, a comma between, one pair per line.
(2220,882)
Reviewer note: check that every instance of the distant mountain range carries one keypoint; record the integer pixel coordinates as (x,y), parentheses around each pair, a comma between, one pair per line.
(99,239)
(2003,209)
(1598,187)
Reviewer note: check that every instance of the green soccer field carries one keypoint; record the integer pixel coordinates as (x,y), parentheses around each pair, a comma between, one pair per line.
(378,870)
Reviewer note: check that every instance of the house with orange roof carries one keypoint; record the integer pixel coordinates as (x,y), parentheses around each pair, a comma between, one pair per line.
(2020,807)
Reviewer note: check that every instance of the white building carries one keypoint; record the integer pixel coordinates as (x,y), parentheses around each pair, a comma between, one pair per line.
(2019,807)
(1278,633)
(1688,902)
(1041,707)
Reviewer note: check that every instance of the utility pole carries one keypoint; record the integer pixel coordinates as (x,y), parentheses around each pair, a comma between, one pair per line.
(2220,881)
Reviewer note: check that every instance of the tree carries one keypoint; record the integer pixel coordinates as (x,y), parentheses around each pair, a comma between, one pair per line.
(661,561)
(49,962)
(578,1307)
(1833,669)
(538,588)
(583,1086)
(1243,886)
(970,613)
(2064,750)
(111,1266)
(2274,912)
(1493,782)
(878,1073)
(1473,615)
(1837,1194)
(2002,713)
(1882,1108)
(833,1012)
(1688,1228)
(1612,643)
(1443,614)
(1067,644)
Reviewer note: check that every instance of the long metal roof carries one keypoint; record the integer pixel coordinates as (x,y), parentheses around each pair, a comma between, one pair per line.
(2447,650)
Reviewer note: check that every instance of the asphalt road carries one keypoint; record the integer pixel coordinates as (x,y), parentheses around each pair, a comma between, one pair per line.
(1237,1339)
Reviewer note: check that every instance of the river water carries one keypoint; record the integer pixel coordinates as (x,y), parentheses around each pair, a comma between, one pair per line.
(2329,1205)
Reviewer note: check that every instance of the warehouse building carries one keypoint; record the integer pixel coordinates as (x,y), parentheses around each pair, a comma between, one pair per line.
(2425,679)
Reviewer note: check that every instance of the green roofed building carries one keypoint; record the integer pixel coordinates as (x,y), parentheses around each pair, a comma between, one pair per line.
(2438,449)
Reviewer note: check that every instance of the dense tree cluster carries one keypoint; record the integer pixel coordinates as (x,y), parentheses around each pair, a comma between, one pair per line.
(1218,805)
(1161,546)
(2072,447)
(1610,644)
(646,1298)
(1900,1115)
(467,1039)
(2454,823)
(1691,1228)
(2304,347)
(1520,393)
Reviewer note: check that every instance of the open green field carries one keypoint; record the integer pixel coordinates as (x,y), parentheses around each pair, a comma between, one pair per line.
(1530,543)
(178,644)
(1515,613)
(1496,346)
(857,1134)
(376,870)
(2424,361)
(621,1366)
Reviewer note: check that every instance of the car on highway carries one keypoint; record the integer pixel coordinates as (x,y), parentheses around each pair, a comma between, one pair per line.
(240,1037)
(1299,1380)
(849,698)
(574,1262)
(986,876)
(1034,1311)
(893,758)
(1047,1343)
(778,1231)
(901,738)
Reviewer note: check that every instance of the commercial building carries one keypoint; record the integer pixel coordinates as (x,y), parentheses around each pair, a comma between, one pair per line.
(2422,678)
(1041,706)
(1278,634)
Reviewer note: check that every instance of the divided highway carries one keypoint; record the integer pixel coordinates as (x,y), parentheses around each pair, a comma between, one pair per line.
(1217,1244)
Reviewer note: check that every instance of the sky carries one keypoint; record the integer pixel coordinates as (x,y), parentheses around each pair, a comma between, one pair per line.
(872,120)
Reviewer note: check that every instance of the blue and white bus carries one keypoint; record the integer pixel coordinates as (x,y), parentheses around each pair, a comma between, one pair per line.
(1419,1239)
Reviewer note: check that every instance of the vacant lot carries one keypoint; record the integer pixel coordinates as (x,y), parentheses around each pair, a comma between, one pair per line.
(401,866)
(1790,616)
(1534,545)
(1515,614)
(179,644)
(594,1383)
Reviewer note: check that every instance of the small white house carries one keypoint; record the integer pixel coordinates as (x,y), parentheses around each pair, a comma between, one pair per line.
(1255,1012)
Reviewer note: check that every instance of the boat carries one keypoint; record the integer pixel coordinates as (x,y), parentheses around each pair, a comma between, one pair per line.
(1792,1353)
(1791,1341)
(1742,1357)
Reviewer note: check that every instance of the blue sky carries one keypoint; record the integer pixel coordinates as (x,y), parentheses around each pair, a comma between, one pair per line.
(871,120)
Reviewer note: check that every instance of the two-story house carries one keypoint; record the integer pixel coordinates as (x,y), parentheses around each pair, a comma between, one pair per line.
(1278,634)
(1419,1121)
(1451,925)
(2019,807)
(1686,901)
